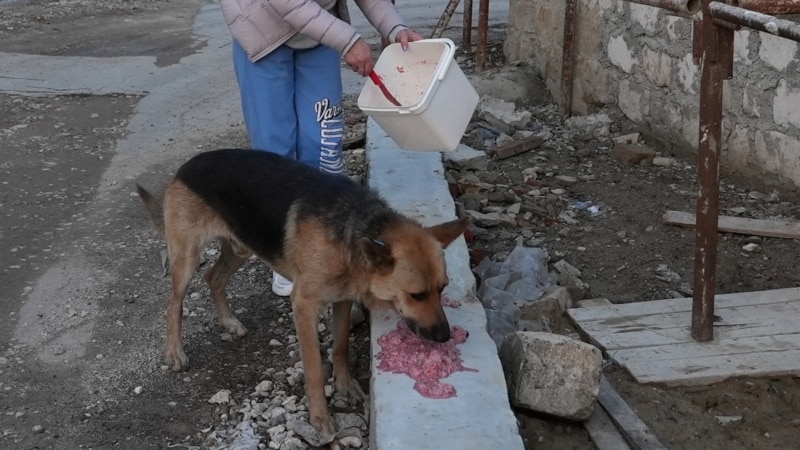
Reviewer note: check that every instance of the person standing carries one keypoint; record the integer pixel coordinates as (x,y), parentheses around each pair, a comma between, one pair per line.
(286,56)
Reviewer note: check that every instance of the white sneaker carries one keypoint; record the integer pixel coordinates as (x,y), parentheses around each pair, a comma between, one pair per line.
(281,286)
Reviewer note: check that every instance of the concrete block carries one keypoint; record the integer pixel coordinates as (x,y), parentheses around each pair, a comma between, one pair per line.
(657,67)
(776,52)
(466,157)
(519,85)
(634,101)
(479,416)
(785,108)
(577,288)
(555,301)
(620,54)
(503,115)
(565,268)
(646,16)
(552,374)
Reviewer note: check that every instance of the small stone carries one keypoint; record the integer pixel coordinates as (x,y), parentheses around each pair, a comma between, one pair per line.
(632,153)
(138,390)
(726,420)
(275,343)
(222,397)
(351,441)
(38,429)
(264,387)
(751,247)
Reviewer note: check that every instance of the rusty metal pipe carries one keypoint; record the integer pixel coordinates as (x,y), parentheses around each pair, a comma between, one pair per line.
(567,58)
(689,7)
(483,35)
(773,7)
(466,30)
(717,57)
(756,20)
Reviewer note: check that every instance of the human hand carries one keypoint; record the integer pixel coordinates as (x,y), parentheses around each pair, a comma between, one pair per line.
(406,36)
(359,58)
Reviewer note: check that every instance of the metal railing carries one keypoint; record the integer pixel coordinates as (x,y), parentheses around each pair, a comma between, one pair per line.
(714,25)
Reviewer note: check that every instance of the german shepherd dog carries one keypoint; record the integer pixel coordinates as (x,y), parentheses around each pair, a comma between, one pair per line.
(337,241)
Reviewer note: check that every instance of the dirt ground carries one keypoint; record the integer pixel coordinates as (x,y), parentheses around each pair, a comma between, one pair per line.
(619,250)
(116,395)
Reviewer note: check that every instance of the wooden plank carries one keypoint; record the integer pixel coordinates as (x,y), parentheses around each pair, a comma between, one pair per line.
(685,304)
(700,371)
(603,432)
(727,317)
(636,432)
(702,350)
(741,225)
(671,336)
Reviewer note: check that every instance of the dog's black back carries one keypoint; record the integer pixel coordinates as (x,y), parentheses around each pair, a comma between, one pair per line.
(253,192)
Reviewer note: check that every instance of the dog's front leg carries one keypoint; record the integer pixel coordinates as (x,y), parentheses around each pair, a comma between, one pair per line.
(306,319)
(344,382)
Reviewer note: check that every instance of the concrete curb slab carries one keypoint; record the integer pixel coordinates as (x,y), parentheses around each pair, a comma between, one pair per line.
(479,416)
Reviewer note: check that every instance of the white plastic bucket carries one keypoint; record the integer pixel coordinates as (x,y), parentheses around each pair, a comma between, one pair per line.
(436,99)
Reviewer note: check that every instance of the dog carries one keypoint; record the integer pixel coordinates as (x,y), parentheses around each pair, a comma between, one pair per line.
(336,240)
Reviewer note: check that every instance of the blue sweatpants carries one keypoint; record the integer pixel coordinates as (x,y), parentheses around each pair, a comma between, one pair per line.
(291,100)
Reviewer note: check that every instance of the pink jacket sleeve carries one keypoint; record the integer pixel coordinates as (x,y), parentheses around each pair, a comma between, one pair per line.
(309,18)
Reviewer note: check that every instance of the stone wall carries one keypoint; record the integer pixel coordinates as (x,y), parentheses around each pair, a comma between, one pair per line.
(640,58)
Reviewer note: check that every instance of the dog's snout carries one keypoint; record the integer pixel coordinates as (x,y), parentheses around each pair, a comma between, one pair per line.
(437,333)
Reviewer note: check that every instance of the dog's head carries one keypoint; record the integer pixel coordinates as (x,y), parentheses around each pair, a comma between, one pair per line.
(407,270)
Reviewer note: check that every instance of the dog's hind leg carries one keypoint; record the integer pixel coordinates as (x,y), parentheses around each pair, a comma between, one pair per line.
(184,258)
(217,277)
(344,382)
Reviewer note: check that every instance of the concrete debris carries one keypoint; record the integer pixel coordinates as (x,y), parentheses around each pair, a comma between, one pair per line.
(630,138)
(503,115)
(632,153)
(751,247)
(520,85)
(222,397)
(565,268)
(552,374)
(466,157)
(727,420)
(661,161)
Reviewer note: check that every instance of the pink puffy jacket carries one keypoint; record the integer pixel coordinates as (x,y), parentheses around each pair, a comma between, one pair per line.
(261,26)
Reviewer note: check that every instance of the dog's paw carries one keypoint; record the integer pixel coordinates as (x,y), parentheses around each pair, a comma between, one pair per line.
(177,360)
(234,327)
(323,423)
(349,388)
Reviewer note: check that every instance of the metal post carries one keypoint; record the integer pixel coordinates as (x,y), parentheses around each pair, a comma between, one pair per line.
(716,59)
(570,11)
(483,35)
(466,30)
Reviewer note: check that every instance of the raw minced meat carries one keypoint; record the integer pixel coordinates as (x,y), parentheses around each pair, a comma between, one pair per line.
(425,362)
(450,301)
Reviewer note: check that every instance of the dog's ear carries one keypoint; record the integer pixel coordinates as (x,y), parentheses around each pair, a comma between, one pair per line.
(377,254)
(447,232)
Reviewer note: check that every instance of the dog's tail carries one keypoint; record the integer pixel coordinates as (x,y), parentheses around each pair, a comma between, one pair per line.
(153,208)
